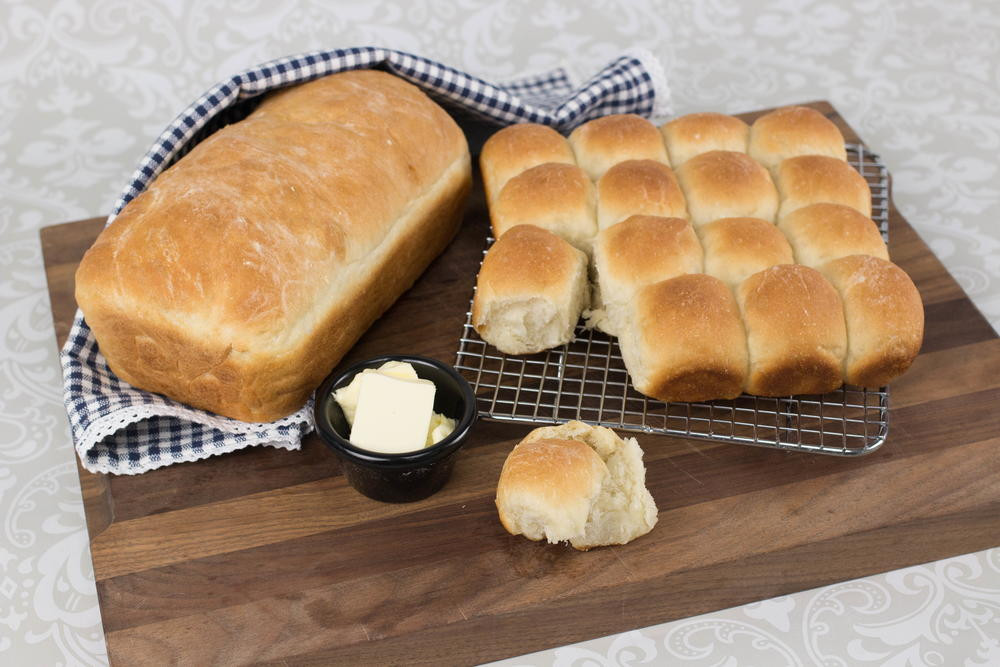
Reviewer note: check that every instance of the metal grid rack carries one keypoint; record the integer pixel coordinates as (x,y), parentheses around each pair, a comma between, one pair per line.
(586,380)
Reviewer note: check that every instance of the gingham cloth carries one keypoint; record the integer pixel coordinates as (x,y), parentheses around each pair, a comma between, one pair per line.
(120,429)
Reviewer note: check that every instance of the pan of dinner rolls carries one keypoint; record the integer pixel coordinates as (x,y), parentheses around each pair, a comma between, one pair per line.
(726,257)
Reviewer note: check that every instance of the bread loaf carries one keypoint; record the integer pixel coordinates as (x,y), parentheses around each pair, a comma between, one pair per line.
(557,197)
(517,148)
(530,292)
(815,179)
(736,248)
(238,279)
(726,184)
(577,483)
(820,233)
(796,336)
(884,315)
(699,133)
(637,252)
(793,131)
(603,142)
(638,187)
(682,340)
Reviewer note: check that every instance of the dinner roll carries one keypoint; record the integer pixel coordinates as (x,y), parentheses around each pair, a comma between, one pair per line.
(794,131)
(682,340)
(820,233)
(698,133)
(885,318)
(814,179)
(517,148)
(577,483)
(796,336)
(726,184)
(638,187)
(637,252)
(603,142)
(530,291)
(736,248)
(556,197)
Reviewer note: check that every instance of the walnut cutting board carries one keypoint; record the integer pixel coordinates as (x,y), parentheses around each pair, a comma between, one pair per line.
(269,556)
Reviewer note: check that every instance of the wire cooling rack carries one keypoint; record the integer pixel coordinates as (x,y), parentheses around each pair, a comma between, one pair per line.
(586,380)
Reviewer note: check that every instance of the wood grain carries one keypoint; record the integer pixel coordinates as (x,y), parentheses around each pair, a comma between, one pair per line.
(267,556)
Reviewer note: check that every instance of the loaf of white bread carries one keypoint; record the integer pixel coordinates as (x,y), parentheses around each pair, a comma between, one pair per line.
(728,257)
(575,483)
(245,271)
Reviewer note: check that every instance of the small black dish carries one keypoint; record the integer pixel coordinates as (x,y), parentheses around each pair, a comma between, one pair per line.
(398,478)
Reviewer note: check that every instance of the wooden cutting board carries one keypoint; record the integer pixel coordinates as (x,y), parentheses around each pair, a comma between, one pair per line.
(269,556)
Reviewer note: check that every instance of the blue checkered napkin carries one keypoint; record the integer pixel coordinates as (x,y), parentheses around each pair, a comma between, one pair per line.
(120,429)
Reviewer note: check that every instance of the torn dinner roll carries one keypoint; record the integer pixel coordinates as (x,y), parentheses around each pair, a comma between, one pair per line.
(575,483)
(638,187)
(884,316)
(530,291)
(816,179)
(793,131)
(603,142)
(698,133)
(517,148)
(820,233)
(726,184)
(736,248)
(796,336)
(634,253)
(557,197)
(682,340)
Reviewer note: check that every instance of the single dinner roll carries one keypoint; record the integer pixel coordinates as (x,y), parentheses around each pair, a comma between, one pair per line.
(885,318)
(793,131)
(736,248)
(530,291)
(726,184)
(814,179)
(517,148)
(577,483)
(820,233)
(603,142)
(698,133)
(556,197)
(637,252)
(682,340)
(638,187)
(796,336)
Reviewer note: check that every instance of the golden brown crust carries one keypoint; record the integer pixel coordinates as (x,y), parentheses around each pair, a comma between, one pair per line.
(698,133)
(884,315)
(684,340)
(793,131)
(820,233)
(603,142)
(736,248)
(209,286)
(517,148)
(726,184)
(637,252)
(814,179)
(557,197)
(796,335)
(638,187)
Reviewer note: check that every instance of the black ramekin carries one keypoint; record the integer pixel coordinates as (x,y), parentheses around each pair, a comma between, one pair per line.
(398,478)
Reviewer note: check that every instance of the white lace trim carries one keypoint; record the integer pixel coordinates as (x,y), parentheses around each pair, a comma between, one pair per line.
(663,107)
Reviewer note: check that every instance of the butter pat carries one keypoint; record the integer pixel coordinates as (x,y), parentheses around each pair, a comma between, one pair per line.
(393,414)
(441,427)
(347,396)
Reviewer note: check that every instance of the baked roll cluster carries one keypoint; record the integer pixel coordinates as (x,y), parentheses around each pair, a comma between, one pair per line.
(726,258)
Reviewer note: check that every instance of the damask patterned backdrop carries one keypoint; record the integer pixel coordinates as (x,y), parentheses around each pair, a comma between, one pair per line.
(86,86)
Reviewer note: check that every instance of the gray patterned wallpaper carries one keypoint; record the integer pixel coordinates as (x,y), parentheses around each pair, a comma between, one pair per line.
(86,86)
